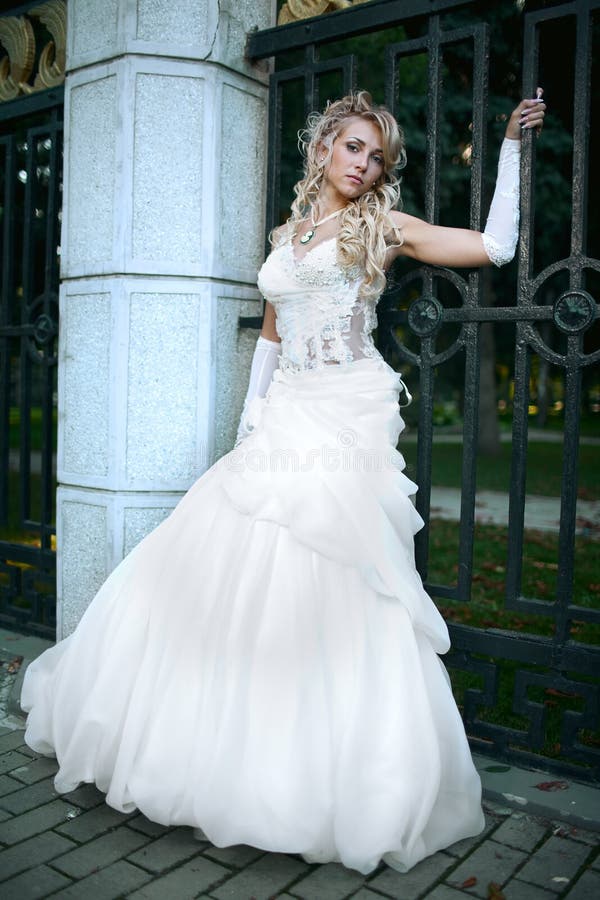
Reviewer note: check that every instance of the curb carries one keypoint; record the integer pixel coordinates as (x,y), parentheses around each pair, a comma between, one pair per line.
(536,793)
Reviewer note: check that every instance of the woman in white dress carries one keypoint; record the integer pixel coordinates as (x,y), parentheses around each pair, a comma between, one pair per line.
(264,665)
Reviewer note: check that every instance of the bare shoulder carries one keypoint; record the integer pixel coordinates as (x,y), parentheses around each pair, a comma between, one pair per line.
(401,226)
(280,234)
(411,230)
(403,222)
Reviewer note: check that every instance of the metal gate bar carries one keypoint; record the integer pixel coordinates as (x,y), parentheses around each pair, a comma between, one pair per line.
(28,360)
(535,662)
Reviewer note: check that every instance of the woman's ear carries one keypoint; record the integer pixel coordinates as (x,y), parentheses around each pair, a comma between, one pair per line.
(324,148)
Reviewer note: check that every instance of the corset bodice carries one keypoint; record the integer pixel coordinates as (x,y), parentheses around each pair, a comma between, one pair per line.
(321,319)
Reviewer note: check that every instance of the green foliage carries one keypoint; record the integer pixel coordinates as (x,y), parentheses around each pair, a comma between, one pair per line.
(544,468)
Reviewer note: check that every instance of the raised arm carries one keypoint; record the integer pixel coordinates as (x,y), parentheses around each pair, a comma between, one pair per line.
(442,246)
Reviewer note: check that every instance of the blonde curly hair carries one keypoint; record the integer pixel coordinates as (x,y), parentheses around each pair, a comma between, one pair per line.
(366,230)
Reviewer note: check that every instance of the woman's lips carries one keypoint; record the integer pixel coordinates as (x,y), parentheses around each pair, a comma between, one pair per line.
(355,179)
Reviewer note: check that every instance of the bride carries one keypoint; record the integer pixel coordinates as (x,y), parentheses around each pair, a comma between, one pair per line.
(264,665)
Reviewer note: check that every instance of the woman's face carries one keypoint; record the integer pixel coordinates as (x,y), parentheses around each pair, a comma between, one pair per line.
(356,161)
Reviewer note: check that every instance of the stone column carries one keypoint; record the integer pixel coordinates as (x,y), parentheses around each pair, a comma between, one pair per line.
(165,135)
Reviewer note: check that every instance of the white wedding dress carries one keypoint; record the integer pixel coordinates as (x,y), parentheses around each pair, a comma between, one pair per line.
(263,666)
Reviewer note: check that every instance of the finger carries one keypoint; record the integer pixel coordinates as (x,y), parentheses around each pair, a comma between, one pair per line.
(533,123)
(528,105)
(533,114)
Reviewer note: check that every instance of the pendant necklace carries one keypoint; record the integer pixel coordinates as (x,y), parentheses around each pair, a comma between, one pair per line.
(312,231)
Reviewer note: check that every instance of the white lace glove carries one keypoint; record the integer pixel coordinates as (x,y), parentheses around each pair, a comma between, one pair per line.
(502,227)
(264,363)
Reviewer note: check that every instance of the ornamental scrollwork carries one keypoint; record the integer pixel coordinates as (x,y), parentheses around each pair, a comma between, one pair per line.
(294,10)
(16,35)
(18,38)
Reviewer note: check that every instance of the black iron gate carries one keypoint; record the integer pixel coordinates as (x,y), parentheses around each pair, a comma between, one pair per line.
(31,130)
(526,678)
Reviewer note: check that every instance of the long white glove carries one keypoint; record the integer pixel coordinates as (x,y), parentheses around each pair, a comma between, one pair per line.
(502,227)
(264,363)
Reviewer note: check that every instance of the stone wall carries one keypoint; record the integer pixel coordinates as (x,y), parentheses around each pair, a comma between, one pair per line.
(165,130)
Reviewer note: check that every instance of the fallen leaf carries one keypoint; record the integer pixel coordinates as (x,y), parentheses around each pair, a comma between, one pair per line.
(470,882)
(552,786)
(495,892)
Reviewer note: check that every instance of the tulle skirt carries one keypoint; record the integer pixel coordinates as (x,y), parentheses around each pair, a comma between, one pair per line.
(264,665)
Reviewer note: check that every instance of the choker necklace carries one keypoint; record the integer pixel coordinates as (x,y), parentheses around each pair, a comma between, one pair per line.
(311,231)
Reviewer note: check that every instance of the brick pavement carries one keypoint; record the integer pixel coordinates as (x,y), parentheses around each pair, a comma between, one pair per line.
(74,846)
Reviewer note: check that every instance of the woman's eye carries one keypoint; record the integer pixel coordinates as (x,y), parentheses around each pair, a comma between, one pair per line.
(352,147)
(378,160)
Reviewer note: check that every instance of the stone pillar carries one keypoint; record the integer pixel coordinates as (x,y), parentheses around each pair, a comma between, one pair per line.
(165,134)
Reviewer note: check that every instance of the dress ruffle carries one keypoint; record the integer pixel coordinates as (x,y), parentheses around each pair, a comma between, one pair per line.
(263,665)
(324,464)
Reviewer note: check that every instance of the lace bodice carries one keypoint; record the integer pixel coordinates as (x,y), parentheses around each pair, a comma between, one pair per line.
(320,318)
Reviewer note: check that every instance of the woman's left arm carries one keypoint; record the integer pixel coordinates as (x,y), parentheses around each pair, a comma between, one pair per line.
(442,246)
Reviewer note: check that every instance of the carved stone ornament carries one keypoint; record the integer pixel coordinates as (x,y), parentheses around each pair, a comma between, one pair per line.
(294,10)
(16,34)
(18,38)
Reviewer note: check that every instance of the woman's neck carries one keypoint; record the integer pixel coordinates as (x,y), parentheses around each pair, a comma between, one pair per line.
(326,205)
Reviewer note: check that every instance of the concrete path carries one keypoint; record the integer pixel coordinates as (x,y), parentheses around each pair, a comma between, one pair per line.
(540,435)
(491,508)
(537,845)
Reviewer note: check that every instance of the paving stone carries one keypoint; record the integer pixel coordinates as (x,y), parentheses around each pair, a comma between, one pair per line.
(520,890)
(26,798)
(35,770)
(33,822)
(172,848)
(414,882)
(93,822)
(238,855)
(556,858)
(329,882)
(114,881)
(586,888)
(8,784)
(365,894)
(36,883)
(101,852)
(11,741)
(262,879)
(562,829)
(12,760)
(30,853)
(461,848)
(497,809)
(28,751)
(152,829)
(4,815)
(184,882)
(521,831)
(86,795)
(491,862)
(443,892)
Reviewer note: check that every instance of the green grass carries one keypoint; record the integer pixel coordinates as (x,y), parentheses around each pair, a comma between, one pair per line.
(544,468)
(11,530)
(35,427)
(540,570)
(486,610)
